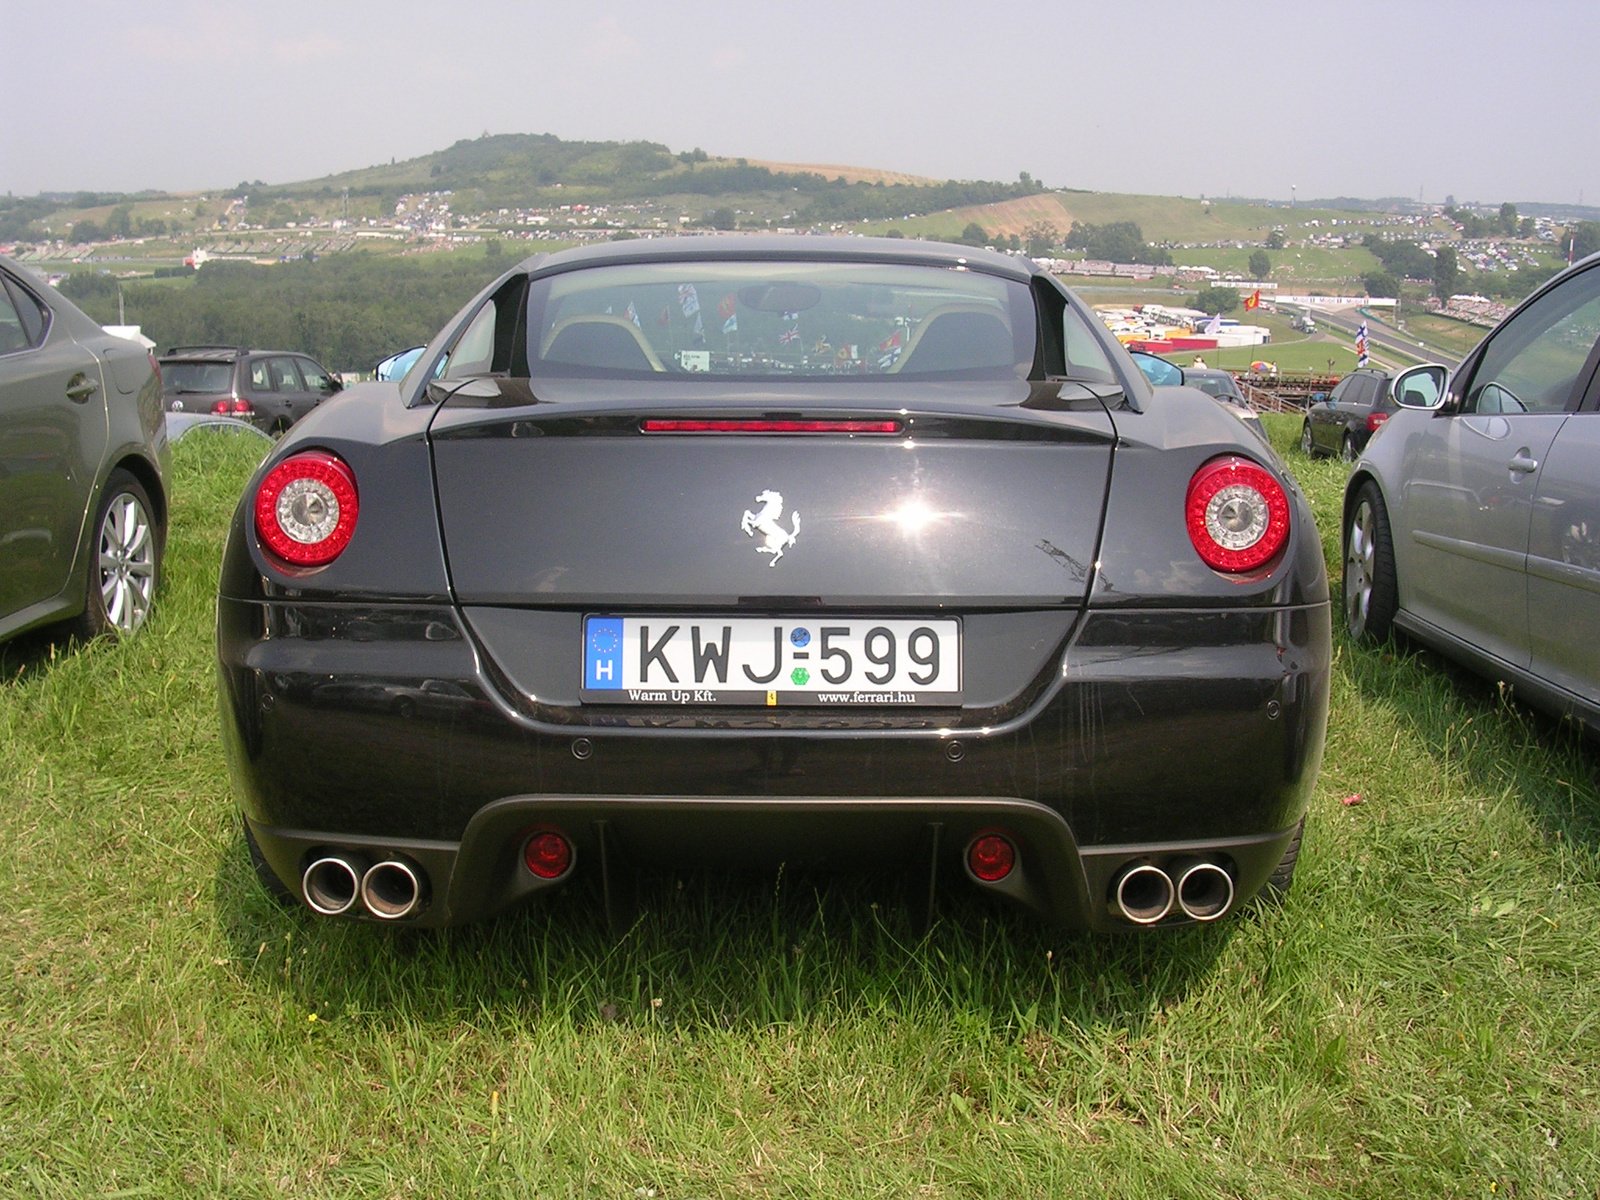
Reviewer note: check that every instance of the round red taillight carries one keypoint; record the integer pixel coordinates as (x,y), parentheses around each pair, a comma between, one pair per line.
(991,857)
(221,407)
(306,508)
(242,406)
(548,855)
(1237,514)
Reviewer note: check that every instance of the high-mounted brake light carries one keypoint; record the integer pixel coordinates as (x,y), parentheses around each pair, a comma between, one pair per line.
(680,425)
(1237,514)
(306,508)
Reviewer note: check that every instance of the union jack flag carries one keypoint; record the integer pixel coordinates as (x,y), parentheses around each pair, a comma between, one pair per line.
(1361,344)
(789,335)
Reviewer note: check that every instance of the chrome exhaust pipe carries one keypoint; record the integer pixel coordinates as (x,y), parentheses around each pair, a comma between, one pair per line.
(332,884)
(392,889)
(1205,890)
(1144,894)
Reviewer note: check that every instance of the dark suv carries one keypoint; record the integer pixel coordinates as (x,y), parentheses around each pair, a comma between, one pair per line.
(272,389)
(1344,422)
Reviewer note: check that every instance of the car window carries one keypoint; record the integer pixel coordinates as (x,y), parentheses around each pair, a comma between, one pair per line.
(473,353)
(785,319)
(12,336)
(34,316)
(1085,357)
(209,377)
(260,376)
(1533,361)
(284,377)
(1339,389)
(1360,392)
(316,378)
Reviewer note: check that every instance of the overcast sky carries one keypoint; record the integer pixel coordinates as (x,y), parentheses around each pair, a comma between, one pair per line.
(1398,97)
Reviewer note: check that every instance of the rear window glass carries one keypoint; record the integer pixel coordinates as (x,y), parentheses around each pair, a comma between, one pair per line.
(196,377)
(1211,385)
(795,319)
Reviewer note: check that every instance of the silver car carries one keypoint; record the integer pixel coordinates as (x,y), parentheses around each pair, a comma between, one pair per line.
(1472,521)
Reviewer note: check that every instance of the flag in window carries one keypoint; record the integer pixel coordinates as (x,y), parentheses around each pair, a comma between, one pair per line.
(725,308)
(688,299)
(789,335)
(633,315)
(731,325)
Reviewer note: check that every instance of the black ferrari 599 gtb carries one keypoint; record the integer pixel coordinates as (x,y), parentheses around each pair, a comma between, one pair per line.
(738,551)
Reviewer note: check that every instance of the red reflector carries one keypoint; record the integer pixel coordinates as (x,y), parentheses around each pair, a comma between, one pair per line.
(242,406)
(306,508)
(1374,420)
(548,855)
(675,425)
(991,857)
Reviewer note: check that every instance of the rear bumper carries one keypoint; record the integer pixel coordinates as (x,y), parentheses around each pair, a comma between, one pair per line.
(1147,735)
(926,836)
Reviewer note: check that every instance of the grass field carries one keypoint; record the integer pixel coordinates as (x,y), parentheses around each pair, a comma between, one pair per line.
(1417,1020)
(1455,336)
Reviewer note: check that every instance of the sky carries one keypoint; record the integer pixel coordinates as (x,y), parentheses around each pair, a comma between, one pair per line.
(1481,101)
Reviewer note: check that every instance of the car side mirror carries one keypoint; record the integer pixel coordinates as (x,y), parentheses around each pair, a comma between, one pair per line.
(396,365)
(1158,372)
(1425,387)
(334,385)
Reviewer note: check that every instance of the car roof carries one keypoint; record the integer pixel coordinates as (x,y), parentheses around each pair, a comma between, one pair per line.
(690,248)
(219,353)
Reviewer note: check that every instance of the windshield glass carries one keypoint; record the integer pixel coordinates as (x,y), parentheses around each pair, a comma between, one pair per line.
(797,319)
(196,377)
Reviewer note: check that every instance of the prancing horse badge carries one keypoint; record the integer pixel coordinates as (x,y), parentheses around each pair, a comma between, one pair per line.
(775,539)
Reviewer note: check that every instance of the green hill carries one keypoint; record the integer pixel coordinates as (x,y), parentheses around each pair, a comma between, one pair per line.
(535,170)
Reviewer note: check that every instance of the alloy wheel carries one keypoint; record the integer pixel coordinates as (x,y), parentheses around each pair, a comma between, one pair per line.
(1359,566)
(127,563)
(1347,449)
(1306,442)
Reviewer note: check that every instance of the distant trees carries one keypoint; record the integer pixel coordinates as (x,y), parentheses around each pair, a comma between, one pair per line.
(1380,283)
(1401,258)
(1217,300)
(721,218)
(1508,219)
(973,235)
(1117,241)
(347,310)
(1275,240)
(1260,265)
(1040,238)
(86,231)
(1446,273)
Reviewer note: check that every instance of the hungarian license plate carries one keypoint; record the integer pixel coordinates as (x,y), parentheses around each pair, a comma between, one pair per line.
(771,661)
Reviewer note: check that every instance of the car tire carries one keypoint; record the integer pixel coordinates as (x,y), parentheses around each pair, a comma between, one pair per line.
(1371,593)
(1276,888)
(270,882)
(1347,449)
(1308,443)
(124,560)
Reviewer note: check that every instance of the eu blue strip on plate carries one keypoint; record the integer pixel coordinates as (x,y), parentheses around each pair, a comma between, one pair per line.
(602,652)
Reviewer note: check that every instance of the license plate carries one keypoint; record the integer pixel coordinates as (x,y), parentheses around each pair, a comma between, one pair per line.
(772,661)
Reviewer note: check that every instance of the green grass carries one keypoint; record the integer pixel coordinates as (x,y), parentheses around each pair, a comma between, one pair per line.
(1455,336)
(1417,1020)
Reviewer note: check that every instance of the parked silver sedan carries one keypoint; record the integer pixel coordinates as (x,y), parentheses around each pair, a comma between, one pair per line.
(1472,521)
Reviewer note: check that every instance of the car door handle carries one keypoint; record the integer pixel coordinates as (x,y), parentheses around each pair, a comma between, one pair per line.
(1522,464)
(81,388)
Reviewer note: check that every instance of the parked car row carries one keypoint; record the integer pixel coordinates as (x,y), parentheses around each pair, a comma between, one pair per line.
(272,389)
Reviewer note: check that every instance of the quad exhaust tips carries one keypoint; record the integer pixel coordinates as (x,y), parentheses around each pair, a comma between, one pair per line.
(334,884)
(1201,890)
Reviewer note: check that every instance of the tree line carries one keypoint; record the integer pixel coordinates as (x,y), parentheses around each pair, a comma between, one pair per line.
(348,311)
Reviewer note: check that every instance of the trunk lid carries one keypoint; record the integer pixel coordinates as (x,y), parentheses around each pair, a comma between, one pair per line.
(984,496)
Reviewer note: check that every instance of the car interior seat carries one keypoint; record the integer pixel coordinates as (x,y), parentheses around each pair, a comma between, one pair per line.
(958,337)
(600,340)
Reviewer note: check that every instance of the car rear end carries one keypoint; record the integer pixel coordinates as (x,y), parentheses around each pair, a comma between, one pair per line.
(865,602)
(204,379)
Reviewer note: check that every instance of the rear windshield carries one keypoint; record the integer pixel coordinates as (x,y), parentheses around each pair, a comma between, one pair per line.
(196,377)
(797,319)
(1213,385)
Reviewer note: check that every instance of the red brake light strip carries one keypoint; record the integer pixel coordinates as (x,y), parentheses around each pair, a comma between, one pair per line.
(679,425)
